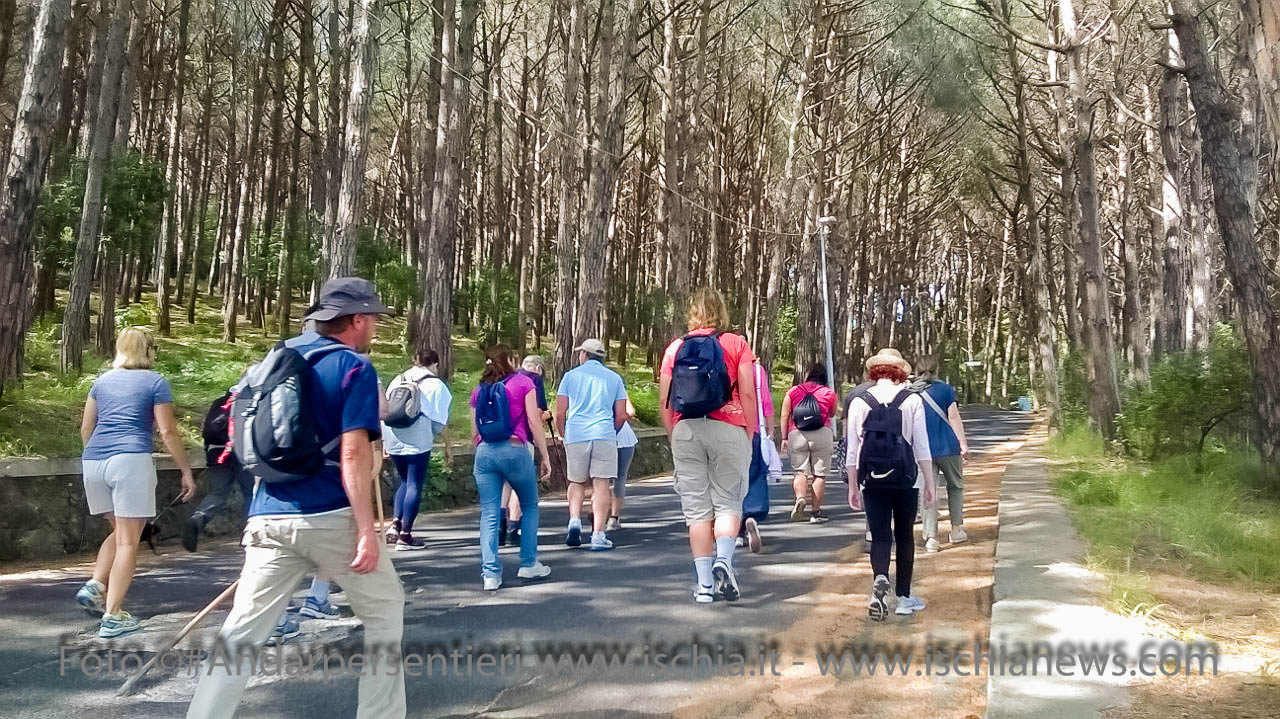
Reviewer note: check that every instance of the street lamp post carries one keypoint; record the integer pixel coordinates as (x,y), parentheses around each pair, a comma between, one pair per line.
(824,224)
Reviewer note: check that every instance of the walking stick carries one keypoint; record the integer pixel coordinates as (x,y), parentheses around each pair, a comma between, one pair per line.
(126,688)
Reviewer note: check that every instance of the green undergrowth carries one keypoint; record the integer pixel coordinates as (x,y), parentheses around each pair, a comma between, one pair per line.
(1221,523)
(41,418)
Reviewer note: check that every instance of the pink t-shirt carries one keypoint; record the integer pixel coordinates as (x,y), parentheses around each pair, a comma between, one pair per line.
(736,354)
(826,397)
(518,386)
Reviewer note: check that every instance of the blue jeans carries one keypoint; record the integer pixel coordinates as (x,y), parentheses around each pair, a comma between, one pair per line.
(413,470)
(508,463)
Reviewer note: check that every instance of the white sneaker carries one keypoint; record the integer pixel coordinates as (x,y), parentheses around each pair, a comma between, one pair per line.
(931,544)
(909,605)
(877,609)
(958,534)
(704,595)
(537,570)
(492,583)
(726,584)
(613,525)
(739,542)
(600,543)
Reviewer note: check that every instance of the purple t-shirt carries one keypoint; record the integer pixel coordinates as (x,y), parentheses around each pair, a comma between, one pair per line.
(517,386)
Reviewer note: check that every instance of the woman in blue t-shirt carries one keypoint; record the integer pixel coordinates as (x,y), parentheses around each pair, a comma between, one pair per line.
(510,461)
(125,406)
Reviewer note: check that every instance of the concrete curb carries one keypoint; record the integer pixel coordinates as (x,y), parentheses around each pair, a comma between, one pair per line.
(1046,598)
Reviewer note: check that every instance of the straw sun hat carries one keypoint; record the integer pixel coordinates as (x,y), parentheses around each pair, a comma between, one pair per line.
(888,356)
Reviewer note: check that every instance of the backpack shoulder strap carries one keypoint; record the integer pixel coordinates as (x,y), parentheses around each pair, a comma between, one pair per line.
(317,352)
(870,399)
(933,404)
(903,394)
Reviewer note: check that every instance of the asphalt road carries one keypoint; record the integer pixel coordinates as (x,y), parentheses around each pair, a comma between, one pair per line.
(633,601)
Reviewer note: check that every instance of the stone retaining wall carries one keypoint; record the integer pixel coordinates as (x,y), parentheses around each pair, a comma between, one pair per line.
(43,512)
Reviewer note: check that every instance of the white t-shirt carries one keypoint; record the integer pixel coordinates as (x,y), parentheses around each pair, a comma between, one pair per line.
(419,437)
(914,429)
(627,436)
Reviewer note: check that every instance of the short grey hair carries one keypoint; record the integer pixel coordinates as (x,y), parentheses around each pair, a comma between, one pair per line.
(534,363)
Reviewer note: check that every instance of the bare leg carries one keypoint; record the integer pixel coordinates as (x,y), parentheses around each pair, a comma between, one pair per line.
(702,539)
(800,484)
(819,486)
(617,506)
(601,499)
(128,531)
(512,503)
(106,554)
(577,493)
(727,525)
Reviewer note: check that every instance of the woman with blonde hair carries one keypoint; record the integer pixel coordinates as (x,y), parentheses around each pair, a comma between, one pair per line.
(125,406)
(707,379)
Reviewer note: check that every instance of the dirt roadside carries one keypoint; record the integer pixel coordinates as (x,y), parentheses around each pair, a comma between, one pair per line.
(957,584)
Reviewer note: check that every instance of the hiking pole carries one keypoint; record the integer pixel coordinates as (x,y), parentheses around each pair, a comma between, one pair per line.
(126,688)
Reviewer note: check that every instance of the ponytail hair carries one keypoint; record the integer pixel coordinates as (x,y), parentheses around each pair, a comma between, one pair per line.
(497,364)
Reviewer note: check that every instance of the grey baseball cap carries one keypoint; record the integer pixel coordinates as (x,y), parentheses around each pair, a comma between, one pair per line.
(344,296)
(592,347)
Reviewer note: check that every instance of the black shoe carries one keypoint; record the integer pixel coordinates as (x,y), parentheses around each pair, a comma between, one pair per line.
(191,530)
(726,585)
(502,528)
(513,536)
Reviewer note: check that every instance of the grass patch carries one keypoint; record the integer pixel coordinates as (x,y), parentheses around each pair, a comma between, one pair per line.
(1219,524)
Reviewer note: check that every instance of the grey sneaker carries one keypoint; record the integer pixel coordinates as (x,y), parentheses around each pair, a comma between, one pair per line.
(909,605)
(113,625)
(958,534)
(93,599)
(753,535)
(285,630)
(877,609)
(704,594)
(797,512)
(537,570)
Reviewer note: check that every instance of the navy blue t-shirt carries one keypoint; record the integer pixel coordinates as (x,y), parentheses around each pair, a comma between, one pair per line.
(942,439)
(344,398)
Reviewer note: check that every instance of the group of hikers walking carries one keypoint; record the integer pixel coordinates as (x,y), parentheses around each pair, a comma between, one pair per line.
(299,435)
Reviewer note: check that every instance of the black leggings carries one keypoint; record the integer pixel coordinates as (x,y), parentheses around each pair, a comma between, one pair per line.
(896,506)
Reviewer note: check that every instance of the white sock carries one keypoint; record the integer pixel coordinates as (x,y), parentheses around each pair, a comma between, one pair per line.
(597,535)
(575,522)
(702,565)
(99,586)
(725,547)
(320,590)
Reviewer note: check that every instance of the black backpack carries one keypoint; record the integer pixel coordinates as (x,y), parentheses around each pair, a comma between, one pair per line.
(807,414)
(700,382)
(886,460)
(272,425)
(215,431)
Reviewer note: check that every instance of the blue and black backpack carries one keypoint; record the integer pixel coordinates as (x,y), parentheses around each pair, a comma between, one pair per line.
(493,412)
(700,382)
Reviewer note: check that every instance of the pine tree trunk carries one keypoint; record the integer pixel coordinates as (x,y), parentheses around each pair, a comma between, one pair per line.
(1171,322)
(243,210)
(30,150)
(567,234)
(75,323)
(1217,117)
(168,232)
(436,322)
(1104,394)
(364,38)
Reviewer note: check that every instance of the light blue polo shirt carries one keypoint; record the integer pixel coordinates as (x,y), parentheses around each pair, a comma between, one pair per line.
(592,389)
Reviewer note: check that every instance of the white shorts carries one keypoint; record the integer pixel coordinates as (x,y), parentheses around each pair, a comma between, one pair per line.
(123,484)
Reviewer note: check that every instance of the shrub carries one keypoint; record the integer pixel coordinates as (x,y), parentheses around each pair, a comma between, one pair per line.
(1189,396)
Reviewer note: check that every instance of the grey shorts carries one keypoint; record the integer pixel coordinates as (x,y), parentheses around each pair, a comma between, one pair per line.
(594,459)
(811,451)
(712,461)
(123,484)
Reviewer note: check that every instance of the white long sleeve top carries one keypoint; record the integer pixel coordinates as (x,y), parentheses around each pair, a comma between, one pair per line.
(914,430)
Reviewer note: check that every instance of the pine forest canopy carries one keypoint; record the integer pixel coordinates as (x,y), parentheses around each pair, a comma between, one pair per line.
(1026,189)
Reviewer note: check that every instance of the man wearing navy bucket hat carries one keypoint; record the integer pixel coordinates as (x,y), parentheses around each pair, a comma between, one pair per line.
(313,514)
